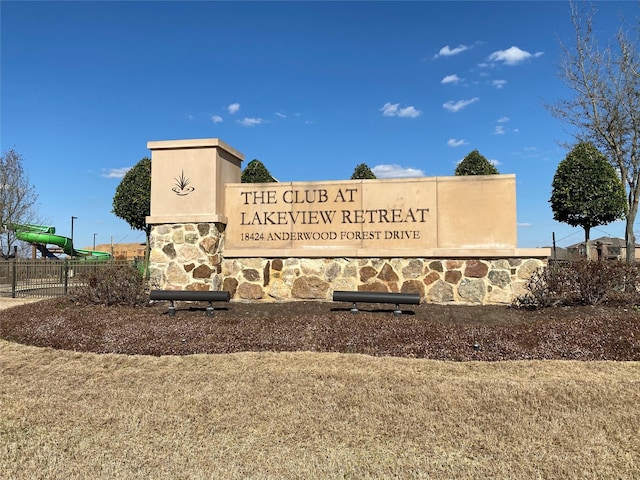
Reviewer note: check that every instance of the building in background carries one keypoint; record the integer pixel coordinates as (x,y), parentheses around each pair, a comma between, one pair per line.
(603,248)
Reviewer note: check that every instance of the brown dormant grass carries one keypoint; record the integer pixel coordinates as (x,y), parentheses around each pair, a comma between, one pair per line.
(66,415)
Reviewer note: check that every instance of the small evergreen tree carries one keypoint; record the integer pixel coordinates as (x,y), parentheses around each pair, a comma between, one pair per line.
(362,172)
(475,164)
(132,201)
(256,172)
(586,190)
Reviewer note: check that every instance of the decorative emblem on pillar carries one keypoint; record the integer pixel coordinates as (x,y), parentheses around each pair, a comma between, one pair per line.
(182,187)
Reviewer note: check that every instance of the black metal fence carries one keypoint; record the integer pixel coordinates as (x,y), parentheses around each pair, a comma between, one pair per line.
(45,278)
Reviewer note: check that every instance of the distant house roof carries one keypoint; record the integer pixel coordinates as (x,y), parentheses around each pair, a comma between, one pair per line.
(611,241)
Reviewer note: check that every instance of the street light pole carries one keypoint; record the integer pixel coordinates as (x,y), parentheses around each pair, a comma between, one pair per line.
(94,240)
(72,219)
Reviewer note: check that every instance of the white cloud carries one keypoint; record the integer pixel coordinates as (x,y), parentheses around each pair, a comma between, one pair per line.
(451,79)
(250,122)
(233,108)
(447,51)
(512,56)
(216,119)
(459,105)
(452,142)
(394,110)
(389,110)
(281,115)
(115,172)
(396,171)
(409,112)
(524,224)
(499,83)
(499,129)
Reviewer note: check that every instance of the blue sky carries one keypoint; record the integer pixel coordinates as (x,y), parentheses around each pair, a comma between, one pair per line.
(311,89)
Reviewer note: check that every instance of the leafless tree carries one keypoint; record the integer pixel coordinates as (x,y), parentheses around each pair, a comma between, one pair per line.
(605,106)
(17,198)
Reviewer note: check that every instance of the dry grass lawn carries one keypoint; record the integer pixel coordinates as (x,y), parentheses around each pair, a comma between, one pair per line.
(66,415)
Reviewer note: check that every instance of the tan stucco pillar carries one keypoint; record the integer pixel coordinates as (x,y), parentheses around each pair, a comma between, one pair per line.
(188,178)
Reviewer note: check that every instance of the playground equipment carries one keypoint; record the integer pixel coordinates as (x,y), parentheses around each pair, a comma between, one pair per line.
(40,236)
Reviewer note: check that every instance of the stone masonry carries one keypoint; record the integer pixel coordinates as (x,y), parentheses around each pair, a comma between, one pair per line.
(472,281)
(186,256)
(190,257)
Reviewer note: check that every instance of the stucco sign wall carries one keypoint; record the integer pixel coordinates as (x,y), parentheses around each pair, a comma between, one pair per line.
(369,217)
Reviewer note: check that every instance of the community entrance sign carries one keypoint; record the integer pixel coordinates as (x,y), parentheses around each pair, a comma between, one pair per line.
(448,239)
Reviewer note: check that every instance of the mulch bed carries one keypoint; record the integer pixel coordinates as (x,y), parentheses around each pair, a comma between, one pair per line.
(443,332)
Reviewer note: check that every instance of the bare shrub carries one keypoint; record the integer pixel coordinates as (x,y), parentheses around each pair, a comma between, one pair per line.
(113,285)
(626,285)
(582,282)
(545,288)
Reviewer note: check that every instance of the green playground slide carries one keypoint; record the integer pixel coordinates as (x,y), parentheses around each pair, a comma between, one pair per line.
(44,235)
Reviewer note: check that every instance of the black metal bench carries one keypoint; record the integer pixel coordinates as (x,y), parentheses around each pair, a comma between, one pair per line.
(377,297)
(190,296)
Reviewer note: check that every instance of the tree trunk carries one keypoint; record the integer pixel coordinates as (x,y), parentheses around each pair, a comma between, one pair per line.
(629,236)
(587,245)
(147,253)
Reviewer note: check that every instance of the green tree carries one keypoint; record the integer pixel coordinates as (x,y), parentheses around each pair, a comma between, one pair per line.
(362,172)
(256,172)
(132,201)
(17,198)
(475,164)
(605,106)
(586,190)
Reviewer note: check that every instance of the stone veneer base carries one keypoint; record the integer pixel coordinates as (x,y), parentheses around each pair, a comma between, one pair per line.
(190,256)
(460,281)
